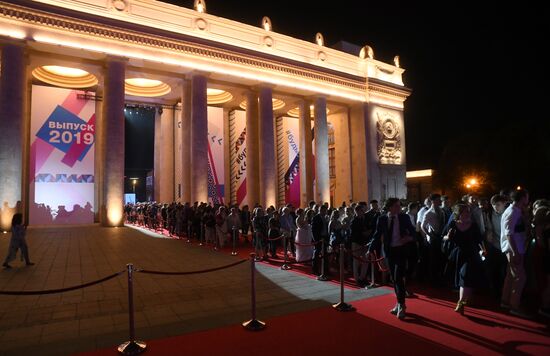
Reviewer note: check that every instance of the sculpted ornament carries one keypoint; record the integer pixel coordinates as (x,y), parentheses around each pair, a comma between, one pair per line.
(388,138)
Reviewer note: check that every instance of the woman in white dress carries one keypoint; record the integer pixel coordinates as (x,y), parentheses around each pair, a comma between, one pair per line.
(303,236)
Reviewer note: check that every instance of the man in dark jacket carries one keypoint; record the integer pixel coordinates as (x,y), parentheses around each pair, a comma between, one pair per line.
(395,231)
(319,229)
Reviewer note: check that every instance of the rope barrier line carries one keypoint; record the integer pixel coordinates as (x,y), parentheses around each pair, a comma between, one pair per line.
(310,244)
(276,238)
(191,272)
(61,290)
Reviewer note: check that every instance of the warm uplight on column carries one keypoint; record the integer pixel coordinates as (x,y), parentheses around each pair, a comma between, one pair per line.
(200,6)
(114,214)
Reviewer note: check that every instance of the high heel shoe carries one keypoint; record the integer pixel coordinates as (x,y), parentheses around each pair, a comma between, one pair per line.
(460,307)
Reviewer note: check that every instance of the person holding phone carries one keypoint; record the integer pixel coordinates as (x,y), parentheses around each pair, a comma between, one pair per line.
(18,231)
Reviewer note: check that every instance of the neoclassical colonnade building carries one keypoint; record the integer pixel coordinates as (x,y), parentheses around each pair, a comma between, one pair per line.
(243,114)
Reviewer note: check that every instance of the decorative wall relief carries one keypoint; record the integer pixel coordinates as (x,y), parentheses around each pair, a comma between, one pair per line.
(388,138)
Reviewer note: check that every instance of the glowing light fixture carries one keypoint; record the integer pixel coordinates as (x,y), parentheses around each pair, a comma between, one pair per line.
(218,96)
(65,77)
(266,23)
(200,6)
(472,182)
(13,33)
(420,173)
(65,71)
(277,104)
(518,187)
(296,111)
(146,87)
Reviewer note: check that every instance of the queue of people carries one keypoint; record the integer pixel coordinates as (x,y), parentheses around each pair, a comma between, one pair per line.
(473,245)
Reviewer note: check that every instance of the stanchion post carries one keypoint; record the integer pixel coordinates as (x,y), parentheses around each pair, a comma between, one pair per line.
(234,229)
(253,324)
(188,232)
(372,279)
(131,347)
(201,234)
(342,306)
(323,277)
(285,265)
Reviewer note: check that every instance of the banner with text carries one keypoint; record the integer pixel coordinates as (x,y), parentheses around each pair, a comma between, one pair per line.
(61,157)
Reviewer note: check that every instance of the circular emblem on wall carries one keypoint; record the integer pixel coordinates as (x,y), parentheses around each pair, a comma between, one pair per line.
(120,5)
(389,128)
(201,24)
(268,41)
(322,56)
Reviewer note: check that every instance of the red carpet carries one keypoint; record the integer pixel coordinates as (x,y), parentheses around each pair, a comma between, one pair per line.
(432,327)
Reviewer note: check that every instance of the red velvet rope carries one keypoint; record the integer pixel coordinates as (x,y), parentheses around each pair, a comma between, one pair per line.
(191,272)
(61,290)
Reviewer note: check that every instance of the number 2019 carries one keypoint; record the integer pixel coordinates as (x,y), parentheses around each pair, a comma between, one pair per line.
(67,137)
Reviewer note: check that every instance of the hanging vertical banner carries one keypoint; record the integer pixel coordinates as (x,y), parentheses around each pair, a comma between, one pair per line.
(61,157)
(216,169)
(291,129)
(237,126)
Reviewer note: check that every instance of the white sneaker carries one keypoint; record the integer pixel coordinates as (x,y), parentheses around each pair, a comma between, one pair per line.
(395,309)
(401,311)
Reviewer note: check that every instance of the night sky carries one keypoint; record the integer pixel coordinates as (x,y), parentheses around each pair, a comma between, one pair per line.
(476,70)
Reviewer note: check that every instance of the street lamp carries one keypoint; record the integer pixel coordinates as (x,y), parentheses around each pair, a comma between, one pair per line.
(471,183)
(134,182)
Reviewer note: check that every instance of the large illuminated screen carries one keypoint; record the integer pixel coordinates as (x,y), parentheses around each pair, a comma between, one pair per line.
(61,157)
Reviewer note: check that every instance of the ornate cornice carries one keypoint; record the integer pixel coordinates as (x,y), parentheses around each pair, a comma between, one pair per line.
(378,86)
(202,50)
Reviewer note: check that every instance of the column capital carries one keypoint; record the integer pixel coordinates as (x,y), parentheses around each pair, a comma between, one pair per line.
(5,40)
(189,75)
(112,58)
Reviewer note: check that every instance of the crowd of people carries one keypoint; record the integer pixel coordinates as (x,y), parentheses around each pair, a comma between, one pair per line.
(476,244)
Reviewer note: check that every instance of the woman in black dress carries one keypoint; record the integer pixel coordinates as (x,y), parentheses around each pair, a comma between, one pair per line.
(465,235)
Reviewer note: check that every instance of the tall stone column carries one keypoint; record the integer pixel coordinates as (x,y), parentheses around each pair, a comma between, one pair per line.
(199,139)
(164,155)
(13,81)
(322,179)
(360,141)
(268,161)
(186,141)
(167,155)
(252,149)
(306,154)
(113,135)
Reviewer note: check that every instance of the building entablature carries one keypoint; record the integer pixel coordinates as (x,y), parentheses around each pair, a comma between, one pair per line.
(154,33)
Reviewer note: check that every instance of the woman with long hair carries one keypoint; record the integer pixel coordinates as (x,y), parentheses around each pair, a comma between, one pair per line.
(465,234)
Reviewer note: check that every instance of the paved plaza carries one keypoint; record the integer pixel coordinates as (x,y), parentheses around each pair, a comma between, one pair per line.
(97,317)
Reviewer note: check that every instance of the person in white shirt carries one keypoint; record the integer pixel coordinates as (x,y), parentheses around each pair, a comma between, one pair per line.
(513,243)
(496,260)
(432,226)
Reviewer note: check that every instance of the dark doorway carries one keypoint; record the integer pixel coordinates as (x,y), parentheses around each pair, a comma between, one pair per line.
(139,148)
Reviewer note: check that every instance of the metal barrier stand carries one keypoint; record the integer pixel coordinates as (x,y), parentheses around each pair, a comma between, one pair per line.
(372,279)
(132,347)
(285,265)
(323,277)
(234,229)
(342,306)
(253,324)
